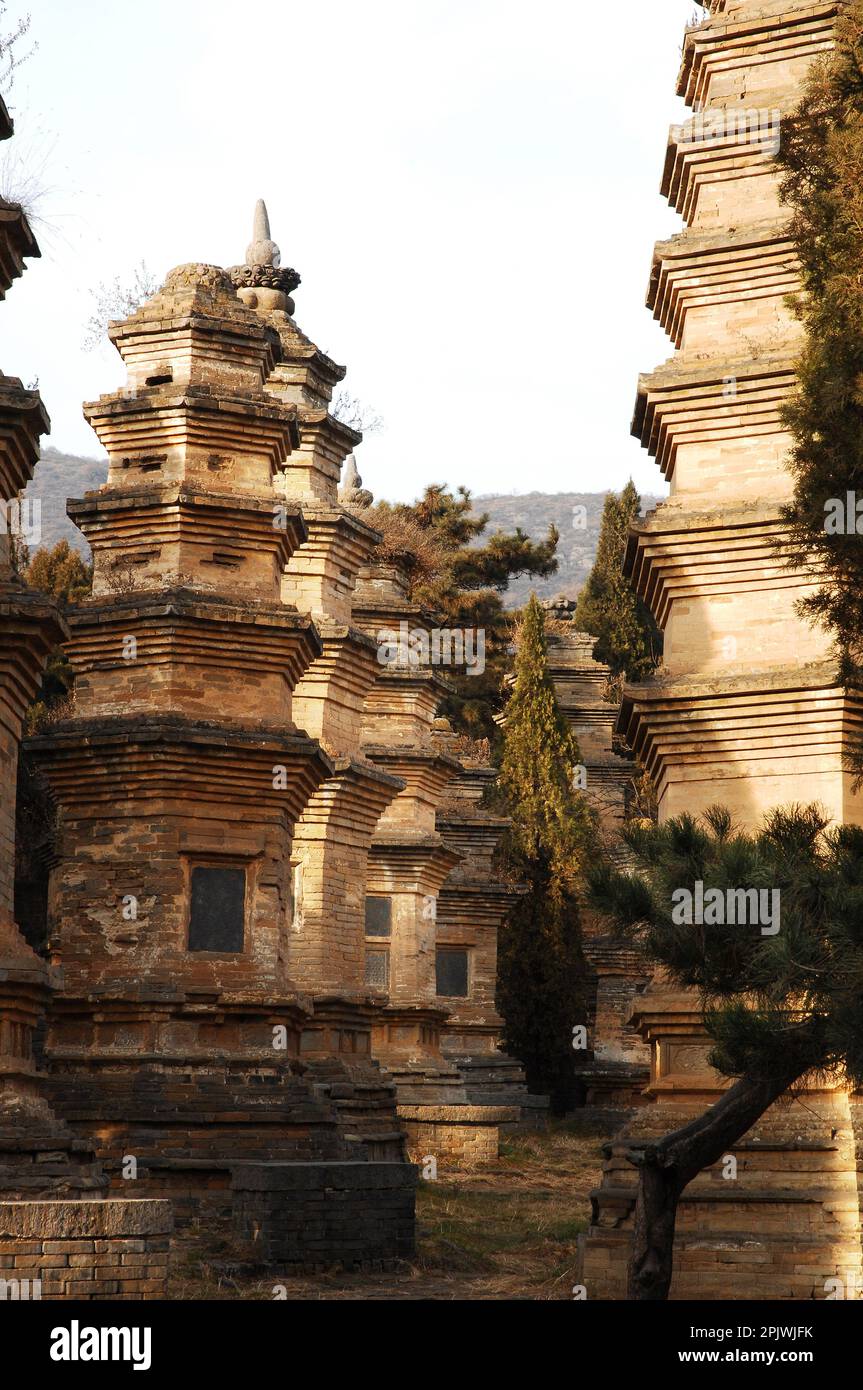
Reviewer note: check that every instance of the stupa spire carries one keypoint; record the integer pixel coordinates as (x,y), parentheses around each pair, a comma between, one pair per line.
(262,250)
(262,282)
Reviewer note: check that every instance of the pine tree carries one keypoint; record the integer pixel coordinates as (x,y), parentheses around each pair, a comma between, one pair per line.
(779,1004)
(541,972)
(462,574)
(628,640)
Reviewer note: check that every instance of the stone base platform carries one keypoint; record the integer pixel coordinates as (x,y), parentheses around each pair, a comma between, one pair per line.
(84,1249)
(778,1222)
(614,1085)
(463,1134)
(298,1217)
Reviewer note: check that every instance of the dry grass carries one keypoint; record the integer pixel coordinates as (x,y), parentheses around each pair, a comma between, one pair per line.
(501,1232)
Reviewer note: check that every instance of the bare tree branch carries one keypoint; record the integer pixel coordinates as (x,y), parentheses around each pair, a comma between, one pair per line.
(117,301)
(11,56)
(354,413)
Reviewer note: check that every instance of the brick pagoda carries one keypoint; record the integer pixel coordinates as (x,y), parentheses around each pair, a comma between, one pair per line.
(748,710)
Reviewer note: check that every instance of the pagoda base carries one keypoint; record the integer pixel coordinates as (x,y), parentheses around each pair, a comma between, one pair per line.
(336,1053)
(434,1107)
(491,1077)
(617,1086)
(175,1090)
(782,1228)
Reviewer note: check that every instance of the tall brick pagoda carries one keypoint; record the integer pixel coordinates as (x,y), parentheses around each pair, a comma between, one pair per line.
(183,773)
(369,861)
(39,1156)
(748,710)
(332,837)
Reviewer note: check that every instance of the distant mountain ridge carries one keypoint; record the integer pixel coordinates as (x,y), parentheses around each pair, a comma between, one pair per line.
(59,476)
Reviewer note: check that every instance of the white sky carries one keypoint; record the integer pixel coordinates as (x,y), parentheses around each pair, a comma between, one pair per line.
(468,188)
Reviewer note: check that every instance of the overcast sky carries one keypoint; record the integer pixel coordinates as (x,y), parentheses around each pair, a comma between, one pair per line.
(469,189)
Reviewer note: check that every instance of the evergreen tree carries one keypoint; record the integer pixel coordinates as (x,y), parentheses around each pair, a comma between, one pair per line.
(822,159)
(541,973)
(778,1004)
(628,639)
(462,575)
(62,573)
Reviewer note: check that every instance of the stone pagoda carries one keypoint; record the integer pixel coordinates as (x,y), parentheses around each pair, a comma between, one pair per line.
(332,837)
(368,861)
(410,866)
(748,710)
(39,1156)
(182,777)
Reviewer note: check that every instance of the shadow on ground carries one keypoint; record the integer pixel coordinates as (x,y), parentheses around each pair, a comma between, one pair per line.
(504,1231)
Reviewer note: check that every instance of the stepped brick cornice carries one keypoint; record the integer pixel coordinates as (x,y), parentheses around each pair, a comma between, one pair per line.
(686,412)
(190,648)
(735,52)
(679,554)
(17,243)
(322,575)
(181,535)
(199,435)
(116,763)
(694,274)
(401,705)
(23,420)
(782,728)
(329,697)
(30,629)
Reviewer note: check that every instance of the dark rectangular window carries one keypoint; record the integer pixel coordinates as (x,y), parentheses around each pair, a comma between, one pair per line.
(451,973)
(378,969)
(217,917)
(379,916)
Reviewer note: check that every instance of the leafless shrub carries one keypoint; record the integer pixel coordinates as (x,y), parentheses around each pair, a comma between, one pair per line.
(11,53)
(116,300)
(354,413)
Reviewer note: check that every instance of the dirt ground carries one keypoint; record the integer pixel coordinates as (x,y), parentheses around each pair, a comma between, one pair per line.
(505,1231)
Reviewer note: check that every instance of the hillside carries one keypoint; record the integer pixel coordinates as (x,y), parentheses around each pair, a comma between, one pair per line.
(533,512)
(59,476)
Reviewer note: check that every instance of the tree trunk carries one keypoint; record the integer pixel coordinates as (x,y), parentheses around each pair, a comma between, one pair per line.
(666,1167)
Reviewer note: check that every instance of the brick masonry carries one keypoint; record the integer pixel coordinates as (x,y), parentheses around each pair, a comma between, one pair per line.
(466,1134)
(85,1250)
(313,1215)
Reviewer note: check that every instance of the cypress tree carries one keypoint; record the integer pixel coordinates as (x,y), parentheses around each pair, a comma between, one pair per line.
(628,640)
(541,972)
(822,159)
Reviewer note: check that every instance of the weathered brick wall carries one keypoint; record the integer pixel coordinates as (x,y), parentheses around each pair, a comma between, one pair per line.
(465,1134)
(85,1250)
(311,1215)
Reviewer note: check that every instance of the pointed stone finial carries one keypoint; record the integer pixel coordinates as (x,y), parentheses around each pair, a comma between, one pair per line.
(262,250)
(263,283)
(352,490)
